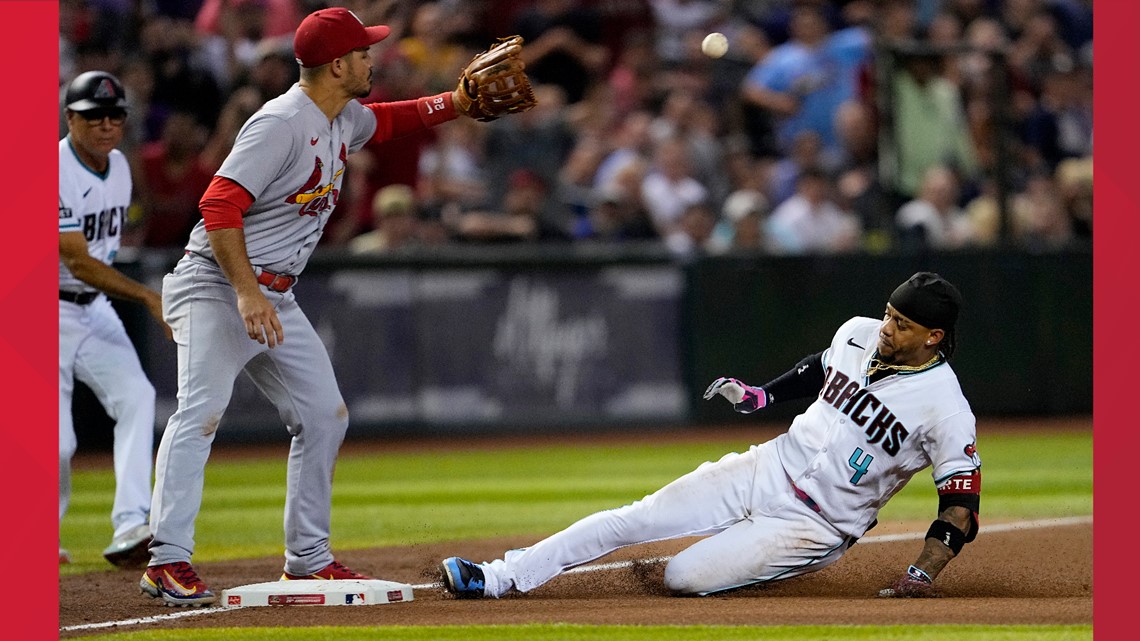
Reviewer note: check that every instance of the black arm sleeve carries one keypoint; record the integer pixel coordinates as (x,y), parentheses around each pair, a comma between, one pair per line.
(802,381)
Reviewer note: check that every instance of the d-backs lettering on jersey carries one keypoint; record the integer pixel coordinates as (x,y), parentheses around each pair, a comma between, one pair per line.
(94,204)
(859,442)
(865,410)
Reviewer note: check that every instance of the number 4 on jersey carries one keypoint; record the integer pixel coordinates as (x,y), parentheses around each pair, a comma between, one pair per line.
(859,462)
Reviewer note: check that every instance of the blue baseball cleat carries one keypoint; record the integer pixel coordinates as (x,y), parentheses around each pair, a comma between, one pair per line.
(462,578)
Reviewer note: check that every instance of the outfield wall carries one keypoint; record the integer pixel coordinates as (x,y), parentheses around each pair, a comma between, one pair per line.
(471,340)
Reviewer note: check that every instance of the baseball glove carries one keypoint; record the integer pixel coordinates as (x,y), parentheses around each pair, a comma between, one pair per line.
(494,83)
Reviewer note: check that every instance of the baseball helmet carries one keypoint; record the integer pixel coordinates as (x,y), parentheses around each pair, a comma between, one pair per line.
(95,90)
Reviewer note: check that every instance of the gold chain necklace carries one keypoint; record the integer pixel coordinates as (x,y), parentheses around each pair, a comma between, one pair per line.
(877,365)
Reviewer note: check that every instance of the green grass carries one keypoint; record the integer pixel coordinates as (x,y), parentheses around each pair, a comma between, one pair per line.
(562,632)
(407,498)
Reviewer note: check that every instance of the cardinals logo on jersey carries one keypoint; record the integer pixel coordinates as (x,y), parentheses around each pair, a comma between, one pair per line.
(314,197)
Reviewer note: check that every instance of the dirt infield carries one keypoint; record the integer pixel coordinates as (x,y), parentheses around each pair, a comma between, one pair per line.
(1001,578)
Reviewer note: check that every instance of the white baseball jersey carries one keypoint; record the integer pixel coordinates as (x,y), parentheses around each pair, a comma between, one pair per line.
(291,160)
(93,345)
(858,444)
(93,204)
(847,454)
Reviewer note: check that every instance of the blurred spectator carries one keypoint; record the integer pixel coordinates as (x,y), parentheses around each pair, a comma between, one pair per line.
(684,115)
(274,69)
(1039,49)
(1040,222)
(1075,181)
(633,80)
(741,224)
(810,222)
(179,81)
(618,216)
(806,152)
(1061,124)
(230,32)
(930,124)
(805,80)
(669,187)
(574,193)
(986,37)
(172,178)
(897,21)
(984,212)
(674,19)
(273,17)
(747,46)
(538,140)
(856,168)
(432,49)
(522,217)
(394,225)
(944,30)
(631,143)
(451,168)
(242,104)
(141,126)
(934,220)
(563,45)
(694,234)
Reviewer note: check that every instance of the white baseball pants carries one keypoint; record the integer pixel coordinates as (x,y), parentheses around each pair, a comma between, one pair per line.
(94,348)
(760,531)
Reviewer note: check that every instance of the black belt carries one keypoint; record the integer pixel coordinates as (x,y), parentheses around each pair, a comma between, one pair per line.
(276,282)
(79,298)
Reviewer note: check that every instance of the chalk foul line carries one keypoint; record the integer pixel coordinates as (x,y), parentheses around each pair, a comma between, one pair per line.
(599,567)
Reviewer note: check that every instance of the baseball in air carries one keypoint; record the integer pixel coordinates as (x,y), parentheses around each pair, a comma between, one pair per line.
(714,45)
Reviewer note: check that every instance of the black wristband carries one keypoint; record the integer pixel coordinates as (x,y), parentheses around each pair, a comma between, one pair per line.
(947,535)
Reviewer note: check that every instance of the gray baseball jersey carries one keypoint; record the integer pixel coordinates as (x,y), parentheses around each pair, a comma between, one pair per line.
(291,160)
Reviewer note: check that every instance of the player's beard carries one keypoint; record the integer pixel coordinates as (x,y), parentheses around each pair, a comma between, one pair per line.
(365,87)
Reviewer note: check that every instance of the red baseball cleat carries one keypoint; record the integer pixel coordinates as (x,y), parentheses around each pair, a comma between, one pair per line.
(332,572)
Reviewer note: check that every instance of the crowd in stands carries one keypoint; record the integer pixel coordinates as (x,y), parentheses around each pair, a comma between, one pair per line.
(829,126)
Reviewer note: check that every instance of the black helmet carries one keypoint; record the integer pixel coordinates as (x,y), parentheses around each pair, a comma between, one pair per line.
(95,90)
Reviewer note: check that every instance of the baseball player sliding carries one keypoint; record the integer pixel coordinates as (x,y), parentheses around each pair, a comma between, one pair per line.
(887,405)
(230,299)
(94,194)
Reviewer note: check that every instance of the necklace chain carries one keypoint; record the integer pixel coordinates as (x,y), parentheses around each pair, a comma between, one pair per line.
(877,365)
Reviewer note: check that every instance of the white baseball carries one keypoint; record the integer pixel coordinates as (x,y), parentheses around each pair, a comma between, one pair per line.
(714,45)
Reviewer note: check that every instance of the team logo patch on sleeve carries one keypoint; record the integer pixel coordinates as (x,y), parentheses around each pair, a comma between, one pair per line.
(971,450)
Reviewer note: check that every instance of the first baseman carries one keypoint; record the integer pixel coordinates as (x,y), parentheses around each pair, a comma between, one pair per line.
(230,298)
(887,405)
(94,194)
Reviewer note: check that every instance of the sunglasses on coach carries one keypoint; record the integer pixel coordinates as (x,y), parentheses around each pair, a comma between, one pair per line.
(95,116)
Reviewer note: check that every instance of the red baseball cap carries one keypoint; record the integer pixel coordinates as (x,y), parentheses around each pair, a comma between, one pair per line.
(327,34)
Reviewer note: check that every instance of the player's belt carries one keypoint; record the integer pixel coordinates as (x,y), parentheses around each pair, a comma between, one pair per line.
(79,298)
(276,282)
(804,498)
